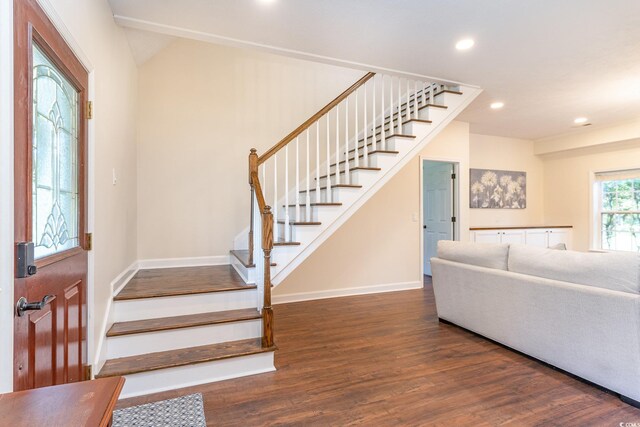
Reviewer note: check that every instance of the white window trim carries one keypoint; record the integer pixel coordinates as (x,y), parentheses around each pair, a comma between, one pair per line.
(596,210)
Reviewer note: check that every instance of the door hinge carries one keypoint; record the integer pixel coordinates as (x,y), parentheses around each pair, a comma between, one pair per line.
(453,219)
(89,109)
(87,372)
(453,176)
(88,241)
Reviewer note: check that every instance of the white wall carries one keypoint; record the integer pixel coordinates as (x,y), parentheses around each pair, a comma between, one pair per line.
(568,187)
(202,107)
(380,243)
(494,152)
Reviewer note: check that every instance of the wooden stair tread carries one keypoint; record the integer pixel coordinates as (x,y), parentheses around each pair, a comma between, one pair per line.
(163,282)
(317,204)
(444,107)
(334,186)
(300,222)
(178,322)
(370,153)
(362,168)
(370,144)
(243,256)
(285,243)
(181,357)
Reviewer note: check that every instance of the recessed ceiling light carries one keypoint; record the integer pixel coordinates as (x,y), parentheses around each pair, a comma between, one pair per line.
(465,44)
(497,105)
(580,120)
(266,1)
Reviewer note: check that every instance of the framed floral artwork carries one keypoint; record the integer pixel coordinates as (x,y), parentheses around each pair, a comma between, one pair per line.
(497,189)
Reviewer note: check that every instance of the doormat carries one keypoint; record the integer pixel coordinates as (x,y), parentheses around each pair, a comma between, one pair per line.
(185,411)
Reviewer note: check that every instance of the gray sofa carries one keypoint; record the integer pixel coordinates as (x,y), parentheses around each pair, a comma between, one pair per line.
(577,311)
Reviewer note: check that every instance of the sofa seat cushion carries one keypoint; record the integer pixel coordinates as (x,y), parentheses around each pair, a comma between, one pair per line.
(618,271)
(481,254)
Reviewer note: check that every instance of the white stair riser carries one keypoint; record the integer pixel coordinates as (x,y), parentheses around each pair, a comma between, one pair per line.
(247,274)
(152,308)
(200,373)
(415,128)
(318,213)
(434,114)
(151,342)
(300,233)
(447,99)
(358,176)
(337,195)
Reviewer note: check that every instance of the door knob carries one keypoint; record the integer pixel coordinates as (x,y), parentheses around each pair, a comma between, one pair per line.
(23,305)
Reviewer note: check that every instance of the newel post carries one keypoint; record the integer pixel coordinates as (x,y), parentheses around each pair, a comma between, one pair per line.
(253,168)
(267,246)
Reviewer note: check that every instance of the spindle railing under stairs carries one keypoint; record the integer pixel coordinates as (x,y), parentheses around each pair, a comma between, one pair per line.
(373,108)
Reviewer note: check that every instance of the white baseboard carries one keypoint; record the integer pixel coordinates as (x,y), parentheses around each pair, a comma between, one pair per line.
(344,292)
(116,286)
(183,262)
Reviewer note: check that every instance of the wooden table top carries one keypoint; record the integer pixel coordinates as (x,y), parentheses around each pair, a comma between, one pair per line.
(86,403)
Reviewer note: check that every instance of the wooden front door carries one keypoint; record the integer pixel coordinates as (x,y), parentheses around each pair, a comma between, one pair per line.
(50,203)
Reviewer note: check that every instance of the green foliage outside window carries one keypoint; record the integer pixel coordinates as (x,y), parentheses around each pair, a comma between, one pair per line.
(620,212)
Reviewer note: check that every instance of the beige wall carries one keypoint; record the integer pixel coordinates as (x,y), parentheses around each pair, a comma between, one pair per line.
(380,243)
(202,107)
(568,187)
(103,43)
(493,152)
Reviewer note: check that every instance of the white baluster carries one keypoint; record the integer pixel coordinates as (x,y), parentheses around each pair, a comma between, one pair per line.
(286,193)
(390,129)
(328,162)
(275,196)
(399,121)
(356,142)
(374,139)
(317,170)
(424,94)
(347,178)
(432,98)
(408,102)
(297,217)
(307,200)
(337,145)
(264,183)
(366,141)
(415,99)
(383,142)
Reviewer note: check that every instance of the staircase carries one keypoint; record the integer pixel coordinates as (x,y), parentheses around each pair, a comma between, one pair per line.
(177,327)
(324,171)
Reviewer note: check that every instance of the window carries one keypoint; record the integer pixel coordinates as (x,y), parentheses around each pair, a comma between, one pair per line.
(618,210)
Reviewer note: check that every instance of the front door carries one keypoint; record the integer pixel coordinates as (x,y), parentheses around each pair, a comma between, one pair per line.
(50,204)
(438,207)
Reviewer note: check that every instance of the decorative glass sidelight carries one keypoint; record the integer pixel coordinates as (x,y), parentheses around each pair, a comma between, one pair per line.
(55,203)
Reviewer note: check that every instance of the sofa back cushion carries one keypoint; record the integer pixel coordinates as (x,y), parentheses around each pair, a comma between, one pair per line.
(618,271)
(481,254)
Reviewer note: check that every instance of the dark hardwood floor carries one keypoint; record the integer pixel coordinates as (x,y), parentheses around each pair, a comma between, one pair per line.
(385,360)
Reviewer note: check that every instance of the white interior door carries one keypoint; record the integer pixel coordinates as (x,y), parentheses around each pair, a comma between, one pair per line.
(437,207)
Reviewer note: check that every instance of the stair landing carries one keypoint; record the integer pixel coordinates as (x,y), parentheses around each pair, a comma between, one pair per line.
(182,281)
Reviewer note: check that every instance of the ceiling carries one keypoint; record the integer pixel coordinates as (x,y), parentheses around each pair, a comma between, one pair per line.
(549,61)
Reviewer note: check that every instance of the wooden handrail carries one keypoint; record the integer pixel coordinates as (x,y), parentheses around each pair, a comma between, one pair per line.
(287,139)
